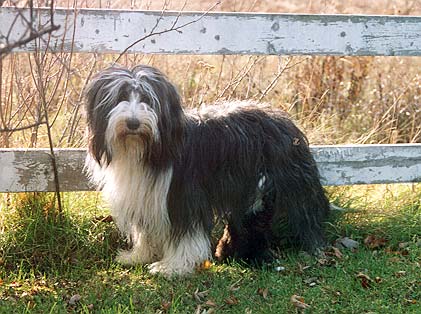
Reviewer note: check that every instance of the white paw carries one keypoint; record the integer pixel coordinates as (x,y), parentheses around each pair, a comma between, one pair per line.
(169,269)
(133,257)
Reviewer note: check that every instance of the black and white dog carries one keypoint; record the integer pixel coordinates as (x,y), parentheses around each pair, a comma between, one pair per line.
(168,172)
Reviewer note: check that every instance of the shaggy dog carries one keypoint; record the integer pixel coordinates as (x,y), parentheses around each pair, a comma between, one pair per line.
(168,172)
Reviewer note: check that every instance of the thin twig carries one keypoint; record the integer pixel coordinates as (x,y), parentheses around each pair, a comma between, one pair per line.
(173,28)
(275,80)
(33,33)
(31,37)
(22,128)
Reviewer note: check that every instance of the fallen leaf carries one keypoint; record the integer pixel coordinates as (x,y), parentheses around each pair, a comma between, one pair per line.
(337,252)
(365,280)
(165,305)
(205,265)
(263,292)
(374,242)
(389,250)
(302,268)
(327,262)
(200,295)
(311,282)
(404,252)
(231,300)
(400,273)
(198,310)
(298,302)
(74,299)
(210,303)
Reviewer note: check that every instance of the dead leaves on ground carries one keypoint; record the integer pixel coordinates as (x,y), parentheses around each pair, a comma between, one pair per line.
(204,266)
(206,304)
(374,242)
(298,302)
(263,292)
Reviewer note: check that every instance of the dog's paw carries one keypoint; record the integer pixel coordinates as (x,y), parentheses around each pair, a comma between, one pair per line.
(126,258)
(135,256)
(169,269)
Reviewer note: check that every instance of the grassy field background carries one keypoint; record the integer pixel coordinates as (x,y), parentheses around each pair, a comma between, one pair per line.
(59,263)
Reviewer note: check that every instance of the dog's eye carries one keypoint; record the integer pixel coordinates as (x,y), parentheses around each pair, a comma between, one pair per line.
(123,95)
(144,99)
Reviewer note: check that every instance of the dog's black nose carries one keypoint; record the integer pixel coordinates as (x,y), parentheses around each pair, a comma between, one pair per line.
(132,123)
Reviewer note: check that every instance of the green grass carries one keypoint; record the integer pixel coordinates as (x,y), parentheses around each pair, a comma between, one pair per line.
(46,259)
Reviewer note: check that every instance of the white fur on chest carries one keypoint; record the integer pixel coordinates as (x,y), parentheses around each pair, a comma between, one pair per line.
(138,196)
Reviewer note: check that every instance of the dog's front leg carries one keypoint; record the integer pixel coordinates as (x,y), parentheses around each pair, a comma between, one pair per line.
(182,255)
(144,251)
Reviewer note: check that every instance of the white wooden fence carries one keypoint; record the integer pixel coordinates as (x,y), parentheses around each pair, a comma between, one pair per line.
(112,31)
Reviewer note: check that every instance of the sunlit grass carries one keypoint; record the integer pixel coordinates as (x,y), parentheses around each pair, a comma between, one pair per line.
(45,260)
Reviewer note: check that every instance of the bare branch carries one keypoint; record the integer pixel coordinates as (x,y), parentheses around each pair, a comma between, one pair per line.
(173,28)
(281,70)
(22,128)
(33,33)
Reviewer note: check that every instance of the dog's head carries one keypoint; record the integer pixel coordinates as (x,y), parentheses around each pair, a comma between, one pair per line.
(133,110)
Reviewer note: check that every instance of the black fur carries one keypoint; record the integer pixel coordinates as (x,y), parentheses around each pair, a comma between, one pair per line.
(222,161)
(219,156)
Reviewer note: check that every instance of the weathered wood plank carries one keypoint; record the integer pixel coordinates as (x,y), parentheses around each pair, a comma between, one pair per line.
(111,31)
(368,164)
(30,170)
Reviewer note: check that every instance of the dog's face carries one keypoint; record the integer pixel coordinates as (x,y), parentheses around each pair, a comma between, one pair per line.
(136,110)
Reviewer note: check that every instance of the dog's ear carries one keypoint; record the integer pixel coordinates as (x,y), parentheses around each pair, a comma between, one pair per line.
(103,93)
(171,118)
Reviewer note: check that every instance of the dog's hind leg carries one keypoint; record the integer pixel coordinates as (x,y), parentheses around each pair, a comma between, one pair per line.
(248,235)
(248,240)
(306,208)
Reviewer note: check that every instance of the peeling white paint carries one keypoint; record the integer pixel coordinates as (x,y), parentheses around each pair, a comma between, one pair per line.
(31,170)
(8,172)
(227,33)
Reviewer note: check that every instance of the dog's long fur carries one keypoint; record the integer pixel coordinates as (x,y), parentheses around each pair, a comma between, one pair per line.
(167,172)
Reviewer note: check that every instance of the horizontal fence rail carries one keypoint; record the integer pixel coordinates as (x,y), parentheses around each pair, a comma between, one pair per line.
(31,170)
(113,31)
(118,31)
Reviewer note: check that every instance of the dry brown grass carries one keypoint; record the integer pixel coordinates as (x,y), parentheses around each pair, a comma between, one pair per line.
(335,99)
